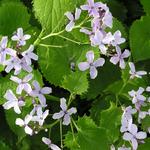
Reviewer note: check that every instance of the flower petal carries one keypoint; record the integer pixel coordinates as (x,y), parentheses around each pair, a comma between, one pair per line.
(93,72)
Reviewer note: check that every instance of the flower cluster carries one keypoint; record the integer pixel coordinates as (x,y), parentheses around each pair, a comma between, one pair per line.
(28,89)
(108,43)
(140,102)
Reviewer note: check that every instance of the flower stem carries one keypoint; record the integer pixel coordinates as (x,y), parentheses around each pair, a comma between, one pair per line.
(61,135)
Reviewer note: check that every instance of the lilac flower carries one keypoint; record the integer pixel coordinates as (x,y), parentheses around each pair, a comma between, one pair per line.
(39,92)
(135,73)
(4,50)
(50,144)
(28,55)
(119,57)
(142,115)
(24,66)
(137,97)
(134,136)
(114,39)
(13,102)
(72,19)
(23,83)
(24,123)
(20,37)
(64,113)
(12,63)
(91,64)
(41,116)
(97,40)
(126,119)
(92,7)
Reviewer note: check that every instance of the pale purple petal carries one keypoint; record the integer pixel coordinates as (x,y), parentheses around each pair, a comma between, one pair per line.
(27,88)
(63,104)
(77,13)
(42,99)
(99,62)
(4,42)
(9,104)
(19,88)
(127,136)
(58,115)
(36,85)
(19,122)
(83,66)
(46,140)
(66,120)
(90,56)
(10,96)
(114,60)
(69,16)
(46,90)
(54,147)
(72,110)
(28,77)
(27,36)
(93,72)
(133,129)
(141,135)
(15,79)
(17,109)
(28,130)
(126,54)
(132,66)
(70,26)
(122,64)
(134,144)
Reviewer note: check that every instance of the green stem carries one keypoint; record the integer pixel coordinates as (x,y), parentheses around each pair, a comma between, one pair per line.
(61,135)
(71,98)
(37,41)
(51,125)
(52,98)
(52,34)
(57,46)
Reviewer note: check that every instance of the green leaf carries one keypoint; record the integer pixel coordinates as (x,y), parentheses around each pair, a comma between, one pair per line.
(146,6)
(50,13)
(91,137)
(69,142)
(76,83)
(13,15)
(140,39)
(110,120)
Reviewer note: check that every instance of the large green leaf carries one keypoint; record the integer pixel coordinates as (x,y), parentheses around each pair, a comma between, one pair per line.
(110,120)
(140,39)
(50,13)
(12,16)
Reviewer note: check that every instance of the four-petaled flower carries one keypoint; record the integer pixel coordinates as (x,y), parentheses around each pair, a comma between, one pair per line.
(20,37)
(92,8)
(48,142)
(41,116)
(24,123)
(13,102)
(119,57)
(134,136)
(91,64)
(64,113)
(137,97)
(23,83)
(28,55)
(39,92)
(72,19)
(135,73)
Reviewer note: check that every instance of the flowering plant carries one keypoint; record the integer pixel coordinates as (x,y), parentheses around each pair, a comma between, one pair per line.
(71,78)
